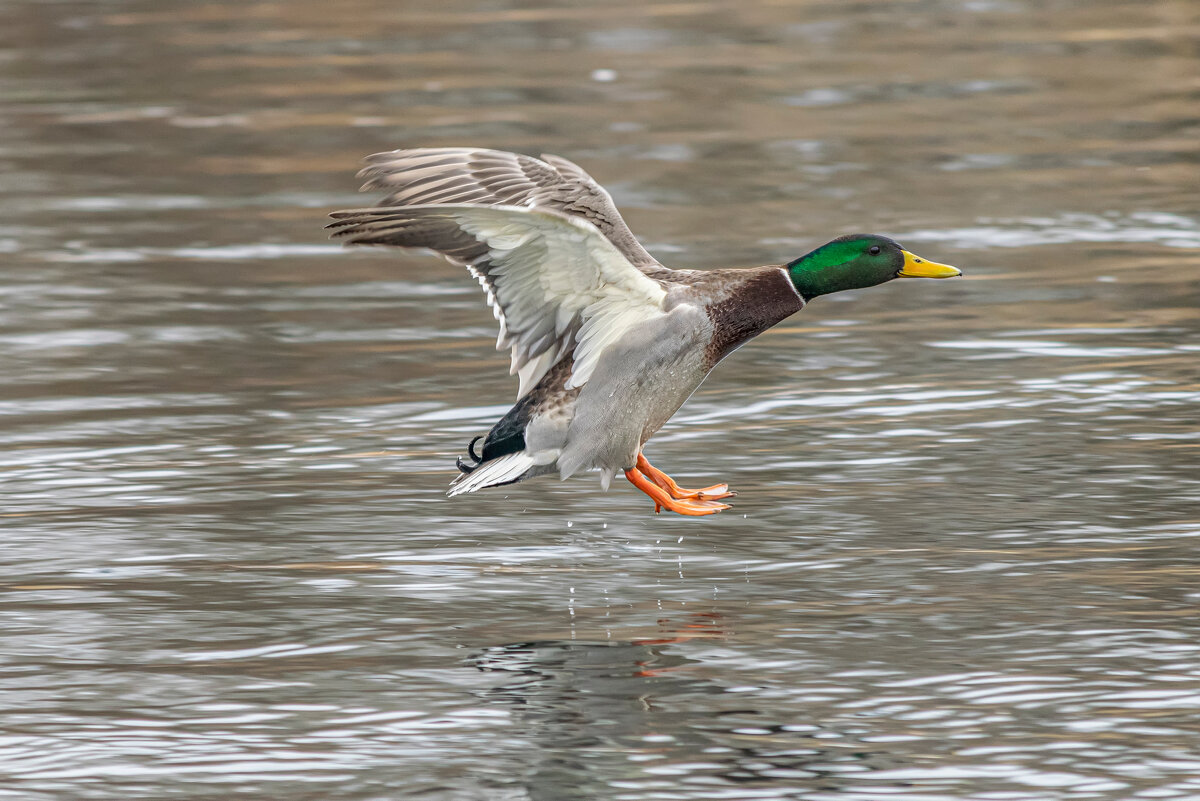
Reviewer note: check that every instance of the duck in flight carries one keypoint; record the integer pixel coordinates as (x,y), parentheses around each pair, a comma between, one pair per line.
(607,343)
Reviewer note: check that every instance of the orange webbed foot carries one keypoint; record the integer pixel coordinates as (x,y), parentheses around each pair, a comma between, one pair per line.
(692,507)
(716,492)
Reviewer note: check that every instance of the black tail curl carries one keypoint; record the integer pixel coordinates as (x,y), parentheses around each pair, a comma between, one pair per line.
(467,469)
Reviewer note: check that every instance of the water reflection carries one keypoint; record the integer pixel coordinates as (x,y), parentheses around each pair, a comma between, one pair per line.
(592,711)
(586,708)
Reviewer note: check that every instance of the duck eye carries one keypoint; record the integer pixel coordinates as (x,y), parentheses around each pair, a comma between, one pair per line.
(874,251)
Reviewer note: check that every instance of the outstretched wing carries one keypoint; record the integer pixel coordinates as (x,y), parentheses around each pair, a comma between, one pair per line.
(475,177)
(555,283)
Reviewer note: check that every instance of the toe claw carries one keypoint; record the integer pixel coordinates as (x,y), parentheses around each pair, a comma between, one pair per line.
(704,496)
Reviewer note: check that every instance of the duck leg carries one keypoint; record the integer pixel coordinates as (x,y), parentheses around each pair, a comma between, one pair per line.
(663,500)
(716,492)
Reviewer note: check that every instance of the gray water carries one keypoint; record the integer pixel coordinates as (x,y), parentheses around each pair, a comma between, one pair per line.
(963,560)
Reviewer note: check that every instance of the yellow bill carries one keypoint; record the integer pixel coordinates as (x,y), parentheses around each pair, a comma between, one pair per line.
(916,267)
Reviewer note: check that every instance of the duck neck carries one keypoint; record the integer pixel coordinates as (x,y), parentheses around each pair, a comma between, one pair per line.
(760,300)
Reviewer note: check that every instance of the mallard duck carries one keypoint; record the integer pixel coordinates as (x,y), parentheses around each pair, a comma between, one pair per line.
(606,342)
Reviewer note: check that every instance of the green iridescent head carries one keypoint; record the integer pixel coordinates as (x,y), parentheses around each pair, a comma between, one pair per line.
(857,261)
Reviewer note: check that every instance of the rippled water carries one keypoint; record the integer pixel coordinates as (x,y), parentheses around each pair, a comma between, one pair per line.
(963,561)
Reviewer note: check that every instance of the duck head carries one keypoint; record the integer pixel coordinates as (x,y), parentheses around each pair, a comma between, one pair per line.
(857,261)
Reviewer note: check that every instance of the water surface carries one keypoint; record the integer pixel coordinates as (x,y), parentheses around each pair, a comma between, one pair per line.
(963,561)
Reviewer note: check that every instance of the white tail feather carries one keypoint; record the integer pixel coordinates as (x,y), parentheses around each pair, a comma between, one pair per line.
(500,470)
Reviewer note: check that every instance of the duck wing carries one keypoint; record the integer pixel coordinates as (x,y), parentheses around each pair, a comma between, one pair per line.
(554,281)
(477,177)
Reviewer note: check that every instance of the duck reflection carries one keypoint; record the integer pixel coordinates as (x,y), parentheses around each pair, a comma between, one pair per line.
(607,682)
(595,710)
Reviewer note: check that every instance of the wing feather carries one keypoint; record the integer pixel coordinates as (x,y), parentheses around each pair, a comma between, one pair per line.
(473,176)
(556,284)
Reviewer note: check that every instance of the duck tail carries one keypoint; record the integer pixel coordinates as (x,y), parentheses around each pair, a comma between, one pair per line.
(506,469)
